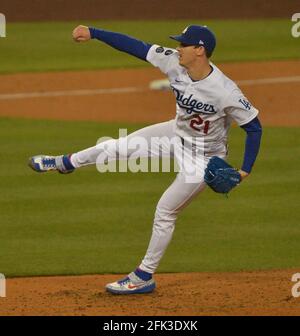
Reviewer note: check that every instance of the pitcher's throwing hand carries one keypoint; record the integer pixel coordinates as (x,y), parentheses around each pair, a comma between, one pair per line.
(81,34)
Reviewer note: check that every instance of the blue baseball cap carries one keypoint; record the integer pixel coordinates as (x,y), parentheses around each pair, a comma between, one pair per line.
(197,35)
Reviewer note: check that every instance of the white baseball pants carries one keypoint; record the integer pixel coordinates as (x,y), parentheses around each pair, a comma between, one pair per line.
(159,140)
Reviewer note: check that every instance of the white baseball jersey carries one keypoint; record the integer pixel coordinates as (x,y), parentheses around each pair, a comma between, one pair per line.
(204,108)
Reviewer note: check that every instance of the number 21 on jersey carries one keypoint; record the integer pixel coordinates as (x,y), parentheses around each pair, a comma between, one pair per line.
(197,121)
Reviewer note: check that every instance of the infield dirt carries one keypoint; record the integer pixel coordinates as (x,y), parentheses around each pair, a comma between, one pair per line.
(54,96)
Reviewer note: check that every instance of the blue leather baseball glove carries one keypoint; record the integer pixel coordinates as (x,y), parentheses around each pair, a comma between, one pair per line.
(220,176)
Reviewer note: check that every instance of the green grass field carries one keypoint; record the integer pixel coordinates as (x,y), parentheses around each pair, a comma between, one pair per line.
(49,47)
(89,222)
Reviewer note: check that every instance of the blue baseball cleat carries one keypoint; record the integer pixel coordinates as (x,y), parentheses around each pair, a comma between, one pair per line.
(132,284)
(45,163)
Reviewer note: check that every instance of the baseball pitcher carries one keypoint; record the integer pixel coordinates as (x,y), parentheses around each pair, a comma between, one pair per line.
(206,104)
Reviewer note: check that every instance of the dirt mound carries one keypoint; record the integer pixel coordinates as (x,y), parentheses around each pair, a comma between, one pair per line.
(193,294)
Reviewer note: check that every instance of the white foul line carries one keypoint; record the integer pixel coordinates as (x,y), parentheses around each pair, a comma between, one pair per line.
(91,92)
(68,93)
(273,80)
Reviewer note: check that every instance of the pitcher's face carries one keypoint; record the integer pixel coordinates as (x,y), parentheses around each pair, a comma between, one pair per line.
(188,54)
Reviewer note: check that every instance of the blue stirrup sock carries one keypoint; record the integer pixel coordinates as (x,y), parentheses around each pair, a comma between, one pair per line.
(67,162)
(142,274)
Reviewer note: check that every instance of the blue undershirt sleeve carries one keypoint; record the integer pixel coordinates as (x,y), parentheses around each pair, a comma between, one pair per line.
(252,144)
(122,42)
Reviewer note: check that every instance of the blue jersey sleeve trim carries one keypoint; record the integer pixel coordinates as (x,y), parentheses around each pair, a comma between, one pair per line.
(122,42)
(252,144)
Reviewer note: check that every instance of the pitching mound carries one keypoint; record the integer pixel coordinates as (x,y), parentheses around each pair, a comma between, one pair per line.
(244,293)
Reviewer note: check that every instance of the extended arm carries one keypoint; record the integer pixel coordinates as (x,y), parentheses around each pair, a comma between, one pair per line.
(252,144)
(118,41)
